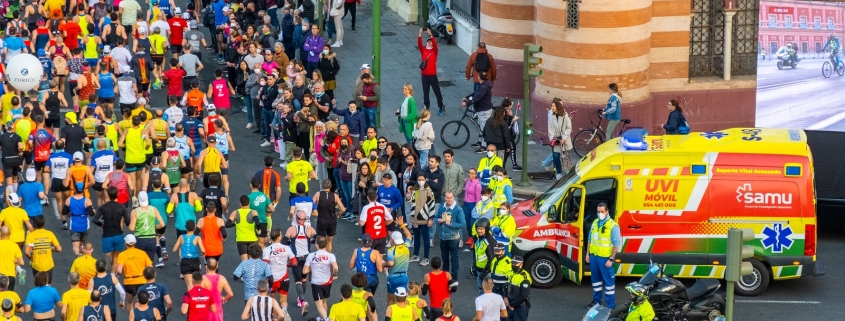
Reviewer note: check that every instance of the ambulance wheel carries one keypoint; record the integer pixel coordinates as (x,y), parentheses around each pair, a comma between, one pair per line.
(756,282)
(545,270)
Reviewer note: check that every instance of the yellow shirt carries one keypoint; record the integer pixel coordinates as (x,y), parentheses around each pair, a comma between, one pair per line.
(23,127)
(14,218)
(6,100)
(346,311)
(157,43)
(75,299)
(138,111)
(211,162)
(42,242)
(9,252)
(134,261)
(10,295)
(86,266)
(299,174)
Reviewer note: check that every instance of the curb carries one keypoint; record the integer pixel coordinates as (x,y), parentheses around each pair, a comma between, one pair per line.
(528,192)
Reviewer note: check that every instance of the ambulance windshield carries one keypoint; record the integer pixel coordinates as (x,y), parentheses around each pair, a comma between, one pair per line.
(555,193)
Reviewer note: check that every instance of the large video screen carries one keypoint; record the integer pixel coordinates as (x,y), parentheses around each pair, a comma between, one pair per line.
(798,82)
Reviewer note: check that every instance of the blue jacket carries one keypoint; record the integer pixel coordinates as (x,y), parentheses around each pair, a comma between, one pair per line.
(458,223)
(613,110)
(356,122)
(287,30)
(390,197)
(299,37)
(676,120)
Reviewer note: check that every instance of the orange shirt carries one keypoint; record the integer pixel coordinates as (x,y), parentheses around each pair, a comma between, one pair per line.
(211,238)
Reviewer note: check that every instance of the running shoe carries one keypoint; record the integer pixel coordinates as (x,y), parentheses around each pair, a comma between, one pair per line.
(424,262)
(64,226)
(414,259)
(164,256)
(304,308)
(266,144)
(160,264)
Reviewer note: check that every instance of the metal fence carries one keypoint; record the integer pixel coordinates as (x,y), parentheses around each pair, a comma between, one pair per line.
(467,9)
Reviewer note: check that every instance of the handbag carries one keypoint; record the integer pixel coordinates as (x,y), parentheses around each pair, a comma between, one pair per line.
(566,161)
(351,166)
(684,127)
(424,63)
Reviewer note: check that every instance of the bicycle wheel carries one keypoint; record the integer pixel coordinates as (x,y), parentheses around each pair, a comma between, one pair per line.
(587,140)
(454,134)
(841,69)
(827,69)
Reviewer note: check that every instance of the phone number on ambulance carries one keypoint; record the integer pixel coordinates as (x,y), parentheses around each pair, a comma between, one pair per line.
(658,205)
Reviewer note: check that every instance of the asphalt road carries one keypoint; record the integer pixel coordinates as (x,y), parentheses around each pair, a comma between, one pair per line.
(800,97)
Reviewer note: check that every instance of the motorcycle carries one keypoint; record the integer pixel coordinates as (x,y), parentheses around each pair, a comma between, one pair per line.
(784,59)
(670,299)
(441,23)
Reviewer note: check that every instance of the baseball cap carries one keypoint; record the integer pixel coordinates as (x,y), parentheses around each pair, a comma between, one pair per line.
(178,10)
(365,66)
(142,30)
(125,69)
(14,199)
(186,16)
(156,160)
(71,117)
(143,199)
(129,239)
(225,8)
(517,259)
(211,139)
(397,237)
(367,240)
(192,24)
(154,2)
(142,101)
(30,174)
(400,292)
(78,156)
(386,176)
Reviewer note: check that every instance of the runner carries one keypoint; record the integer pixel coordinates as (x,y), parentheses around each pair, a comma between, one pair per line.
(94,310)
(322,267)
(402,310)
(79,176)
(16,219)
(301,236)
(79,208)
(155,174)
(193,128)
(215,195)
(279,257)
(122,182)
(346,310)
(271,183)
(363,297)
(85,265)
(74,299)
(160,200)
(181,202)
(186,147)
(225,144)
(143,222)
(253,271)
(262,307)
(190,253)
(193,97)
(299,171)
(328,208)
(375,218)
(173,114)
(11,149)
(159,295)
(40,142)
(398,258)
(112,216)
(105,283)
(260,203)
(218,285)
(32,193)
(198,303)
(142,311)
(213,232)
(244,220)
(160,130)
(220,90)
(302,203)
(131,263)
(368,261)
(135,143)
(102,165)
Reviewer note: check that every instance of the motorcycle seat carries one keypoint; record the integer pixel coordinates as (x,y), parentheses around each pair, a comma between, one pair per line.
(701,288)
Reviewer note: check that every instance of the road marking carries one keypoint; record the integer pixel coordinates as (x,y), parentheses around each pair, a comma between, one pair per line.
(827,122)
(777,302)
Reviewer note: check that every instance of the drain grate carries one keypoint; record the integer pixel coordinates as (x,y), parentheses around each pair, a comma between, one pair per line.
(388,33)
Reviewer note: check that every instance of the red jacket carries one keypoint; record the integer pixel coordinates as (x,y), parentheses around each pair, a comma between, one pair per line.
(334,148)
(430,54)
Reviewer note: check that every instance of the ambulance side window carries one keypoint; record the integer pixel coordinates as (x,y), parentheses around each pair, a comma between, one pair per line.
(601,190)
(571,207)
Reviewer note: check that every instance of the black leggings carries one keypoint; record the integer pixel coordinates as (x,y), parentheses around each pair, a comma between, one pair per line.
(510,154)
(350,6)
(304,141)
(433,83)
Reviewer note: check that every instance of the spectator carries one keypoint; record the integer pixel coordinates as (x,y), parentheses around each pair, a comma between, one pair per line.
(480,61)
(428,68)
(313,46)
(368,95)
(424,135)
(450,217)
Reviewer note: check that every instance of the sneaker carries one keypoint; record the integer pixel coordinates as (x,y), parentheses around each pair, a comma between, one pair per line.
(304,308)
(414,259)
(135,202)
(266,144)
(181,276)
(64,226)
(480,150)
(441,112)
(460,245)
(194,185)
(298,302)
(424,262)
(160,264)
(249,126)
(476,145)
(257,131)
(336,45)
(517,168)
(164,256)
(283,165)
(171,215)
(467,250)
(472,274)
(591,305)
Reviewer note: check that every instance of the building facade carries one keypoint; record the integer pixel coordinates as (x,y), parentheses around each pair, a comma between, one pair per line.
(805,23)
(655,50)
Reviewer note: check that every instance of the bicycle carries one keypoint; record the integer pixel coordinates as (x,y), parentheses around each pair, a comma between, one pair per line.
(588,139)
(455,133)
(827,67)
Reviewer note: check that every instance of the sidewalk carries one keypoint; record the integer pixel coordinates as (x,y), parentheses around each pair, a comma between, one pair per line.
(400,61)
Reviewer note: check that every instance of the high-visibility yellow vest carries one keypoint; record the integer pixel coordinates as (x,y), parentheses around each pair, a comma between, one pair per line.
(601,244)
(499,193)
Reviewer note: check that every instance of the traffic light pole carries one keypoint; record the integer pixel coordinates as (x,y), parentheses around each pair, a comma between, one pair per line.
(735,267)
(376,64)
(729,304)
(526,98)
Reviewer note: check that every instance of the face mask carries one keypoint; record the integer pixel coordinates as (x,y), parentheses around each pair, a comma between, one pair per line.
(263,83)
(484,198)
(372,158)
(429,47)
(490,154)
(304,28)
(382,147)
(344,146)
(422,183)
(281,91)
(503,211)
(500,177)
(602,216)
(516,268)
(319,95)
(257,70)
(325,52)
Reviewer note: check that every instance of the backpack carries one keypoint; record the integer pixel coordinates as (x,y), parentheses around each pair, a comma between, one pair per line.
(482,62)
(60,63)
(684,127)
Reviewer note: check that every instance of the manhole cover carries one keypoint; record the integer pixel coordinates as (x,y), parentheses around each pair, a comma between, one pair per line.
(388,33)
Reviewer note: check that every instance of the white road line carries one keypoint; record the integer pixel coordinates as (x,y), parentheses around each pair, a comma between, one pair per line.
(777,302)
(827,122)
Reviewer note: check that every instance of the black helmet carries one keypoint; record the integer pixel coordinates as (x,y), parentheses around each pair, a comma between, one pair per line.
(832,35)
(482,222)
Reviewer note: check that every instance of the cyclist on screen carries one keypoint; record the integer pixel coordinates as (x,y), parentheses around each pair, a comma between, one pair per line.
(835,47)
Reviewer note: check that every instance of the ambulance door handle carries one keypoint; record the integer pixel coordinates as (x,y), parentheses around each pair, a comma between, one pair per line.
(634,227)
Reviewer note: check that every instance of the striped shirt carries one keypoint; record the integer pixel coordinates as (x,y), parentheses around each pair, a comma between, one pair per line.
(262,308)
(251,271)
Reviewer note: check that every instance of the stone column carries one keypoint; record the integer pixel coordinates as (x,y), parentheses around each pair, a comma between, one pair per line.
(730,11)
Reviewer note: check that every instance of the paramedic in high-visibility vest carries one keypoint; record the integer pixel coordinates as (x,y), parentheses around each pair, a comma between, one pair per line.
(605,240)
(485,167)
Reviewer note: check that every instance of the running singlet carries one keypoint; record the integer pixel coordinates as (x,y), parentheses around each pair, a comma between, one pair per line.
(106,89)
(145,223)
(212,240)
(102,164)
(211,162)
(111,134)
(183,147)
(90,126)
(302,244)
(220,93)
(199,300)
(135,146)
(192,129)
(211,130)
(59,162)
(277,255)
(119,181)
(145,315)
(195,98)
(184,212)
(172,166)
(189,250)
(222,142)
(79,174)
(41,140)
(363,263)
(78,216)
(244,230)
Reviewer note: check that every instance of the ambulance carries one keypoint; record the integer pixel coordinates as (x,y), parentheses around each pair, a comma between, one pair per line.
(674,198)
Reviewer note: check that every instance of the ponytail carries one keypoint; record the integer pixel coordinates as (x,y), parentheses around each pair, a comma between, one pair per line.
(615,88)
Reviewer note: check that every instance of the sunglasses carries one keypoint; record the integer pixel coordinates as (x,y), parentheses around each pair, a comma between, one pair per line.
(382,142)
(300,219)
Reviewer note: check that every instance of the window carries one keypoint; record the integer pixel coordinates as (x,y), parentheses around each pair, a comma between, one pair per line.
(707,38)
(773,47)
(802,22)
(830,24)
(787,22)
(572,13)
(818,47)
(803,47)
(817,23)
(773,21)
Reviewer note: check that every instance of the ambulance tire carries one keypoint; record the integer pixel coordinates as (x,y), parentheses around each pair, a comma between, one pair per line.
(755,283)
(545,269)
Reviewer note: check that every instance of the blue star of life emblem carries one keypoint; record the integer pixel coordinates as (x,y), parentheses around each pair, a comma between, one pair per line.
(716,135)
(777,237)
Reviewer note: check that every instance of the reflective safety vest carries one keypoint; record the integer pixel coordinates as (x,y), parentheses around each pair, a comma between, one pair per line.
(485,170)
(601,244)
(501,269)
(481,258)
(643,311)
(499,193)
(481,208)
(517,278)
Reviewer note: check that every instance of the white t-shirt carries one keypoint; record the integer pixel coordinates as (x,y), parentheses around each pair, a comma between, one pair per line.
(162,25)
(321,267)
(490,305)
(277,255)
(122,55)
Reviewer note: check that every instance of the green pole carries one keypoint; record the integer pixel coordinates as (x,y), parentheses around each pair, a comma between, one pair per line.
(319,10)
(422,19)
(526,98)
(376,65)
(729,304)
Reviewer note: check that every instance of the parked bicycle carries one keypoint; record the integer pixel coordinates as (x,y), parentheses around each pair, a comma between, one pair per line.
(827,67)
(455,133)
(588,139)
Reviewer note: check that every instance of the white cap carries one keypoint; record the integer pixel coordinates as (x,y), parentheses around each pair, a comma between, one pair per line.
(125,69)
(129,239)
(192,24)
(400,292)
(225,8)
(397,238)
(365,66)
(30,174)
(178,10)
(14,199)
(185,15)
(142,101)
(142,30)
(143,199)
(78,156)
